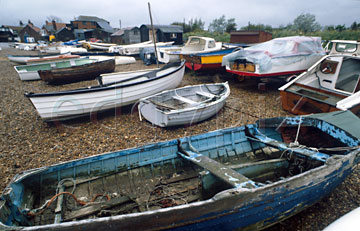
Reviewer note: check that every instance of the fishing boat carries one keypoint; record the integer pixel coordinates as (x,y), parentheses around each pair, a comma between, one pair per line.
(184,106)
(61,49)
(331,84)
(206,61)
(23,59)
(65,105)
(83,71)
(198,44)
(248,177)
(30,72)
(276,59)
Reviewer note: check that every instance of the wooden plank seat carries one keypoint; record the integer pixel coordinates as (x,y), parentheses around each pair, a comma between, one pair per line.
(205,94)
(311,153)
(184,100)
(219,170)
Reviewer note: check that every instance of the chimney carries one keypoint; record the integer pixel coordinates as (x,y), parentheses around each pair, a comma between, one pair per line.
(46,22)
(29,22)
(54,24)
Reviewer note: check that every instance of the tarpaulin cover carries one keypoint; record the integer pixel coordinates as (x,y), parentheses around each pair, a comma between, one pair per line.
(276,51)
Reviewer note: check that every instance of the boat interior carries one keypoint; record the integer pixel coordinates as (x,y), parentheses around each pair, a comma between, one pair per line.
(187,97)
(168,174)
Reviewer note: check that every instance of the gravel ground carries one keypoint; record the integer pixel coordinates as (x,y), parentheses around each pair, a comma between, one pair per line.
(27,142)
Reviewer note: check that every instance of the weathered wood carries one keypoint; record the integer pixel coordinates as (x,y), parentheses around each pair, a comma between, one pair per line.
(164,105)
(96,208)
(59,203)
(226,174)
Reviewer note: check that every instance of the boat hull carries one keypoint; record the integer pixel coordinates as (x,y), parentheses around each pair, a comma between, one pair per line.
(76,103)
(78,73)
(206,61)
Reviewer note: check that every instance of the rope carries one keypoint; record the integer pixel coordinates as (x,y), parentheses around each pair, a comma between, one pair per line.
(47,203)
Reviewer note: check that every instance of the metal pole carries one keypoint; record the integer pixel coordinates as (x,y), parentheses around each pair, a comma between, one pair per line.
(153,35)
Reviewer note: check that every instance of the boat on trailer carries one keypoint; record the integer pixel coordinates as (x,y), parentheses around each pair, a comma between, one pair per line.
(184,106)
(331,84)
(276,59)
(123,90)
(247,177)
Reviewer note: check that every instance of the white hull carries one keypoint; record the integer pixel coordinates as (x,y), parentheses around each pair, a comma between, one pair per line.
(28,75)
(119,60)
(63,50)
(168,55)
(166,108)
(25,59)
(70,104)
(134,49)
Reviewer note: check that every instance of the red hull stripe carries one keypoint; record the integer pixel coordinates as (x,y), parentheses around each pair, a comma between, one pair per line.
(266,75)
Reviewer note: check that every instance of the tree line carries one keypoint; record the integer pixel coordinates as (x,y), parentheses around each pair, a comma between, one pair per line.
(304,24)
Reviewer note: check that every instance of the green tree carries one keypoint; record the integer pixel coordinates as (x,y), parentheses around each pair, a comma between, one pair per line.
(192,25)
(306,23)
(355,26)
(340,28)
(263,27)
(218,25)
(196,24)
(230,25)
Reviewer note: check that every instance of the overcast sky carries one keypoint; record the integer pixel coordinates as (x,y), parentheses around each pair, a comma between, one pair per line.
(135,12)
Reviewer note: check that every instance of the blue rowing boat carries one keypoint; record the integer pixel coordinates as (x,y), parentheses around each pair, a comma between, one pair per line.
(247,177)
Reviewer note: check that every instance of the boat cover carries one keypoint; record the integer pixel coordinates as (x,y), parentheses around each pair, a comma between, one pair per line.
(276,51)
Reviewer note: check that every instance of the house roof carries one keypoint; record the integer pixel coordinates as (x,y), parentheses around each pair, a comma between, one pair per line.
(35,28)
(90,19)
(15,28)
(167,28)
(122,31)
(64,28)
(49,26)
(105,25)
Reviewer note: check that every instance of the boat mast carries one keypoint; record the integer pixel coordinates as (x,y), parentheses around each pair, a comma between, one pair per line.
(153,35)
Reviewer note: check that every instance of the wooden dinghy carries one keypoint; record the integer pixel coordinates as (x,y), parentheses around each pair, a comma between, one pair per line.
(127,89)
(80,72)
(331,84)
(247,177)
(30,71)
(186,105)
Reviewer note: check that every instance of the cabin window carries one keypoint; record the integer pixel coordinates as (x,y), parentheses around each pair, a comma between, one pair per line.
(195,41)
(211,44)
(345,47)
(135,32)
(173,36)
(348,76)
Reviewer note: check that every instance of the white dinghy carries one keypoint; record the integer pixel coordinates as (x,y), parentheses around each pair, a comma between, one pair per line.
(85,101)
(184,106)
